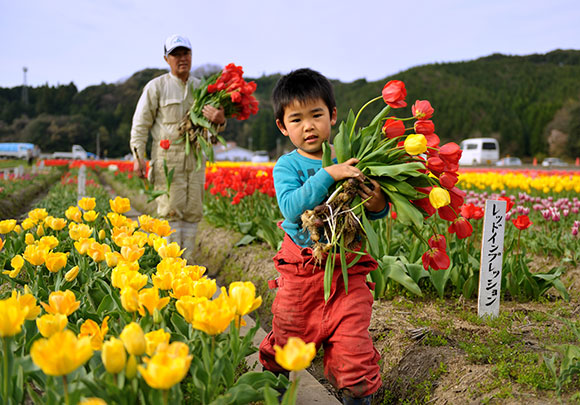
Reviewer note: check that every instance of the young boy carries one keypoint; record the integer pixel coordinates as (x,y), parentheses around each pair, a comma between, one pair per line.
(305,112)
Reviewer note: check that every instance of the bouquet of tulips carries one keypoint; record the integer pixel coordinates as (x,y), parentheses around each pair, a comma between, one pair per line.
(415,173)
(226,89)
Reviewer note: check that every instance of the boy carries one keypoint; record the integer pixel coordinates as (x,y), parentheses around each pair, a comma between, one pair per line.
(305,112)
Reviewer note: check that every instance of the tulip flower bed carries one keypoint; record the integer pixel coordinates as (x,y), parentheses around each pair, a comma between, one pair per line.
(101,309)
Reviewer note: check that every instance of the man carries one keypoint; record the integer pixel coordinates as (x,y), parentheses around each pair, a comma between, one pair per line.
(163,104)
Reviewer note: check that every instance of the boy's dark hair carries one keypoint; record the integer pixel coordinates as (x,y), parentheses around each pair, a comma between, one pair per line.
(301,85)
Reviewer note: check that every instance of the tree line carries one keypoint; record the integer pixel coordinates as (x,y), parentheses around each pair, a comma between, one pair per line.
(531,104)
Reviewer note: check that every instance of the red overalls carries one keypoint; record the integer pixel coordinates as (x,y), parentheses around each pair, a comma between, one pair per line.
(339,325)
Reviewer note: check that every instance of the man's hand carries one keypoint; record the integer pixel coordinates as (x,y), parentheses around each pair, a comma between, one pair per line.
(345,170)
(215,115)
(377,201)
(140,167)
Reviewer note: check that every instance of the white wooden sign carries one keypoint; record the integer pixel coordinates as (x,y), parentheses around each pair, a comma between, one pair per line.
(491,258)
(81,182)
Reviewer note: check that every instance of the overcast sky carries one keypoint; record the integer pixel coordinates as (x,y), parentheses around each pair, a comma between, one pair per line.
(91,42)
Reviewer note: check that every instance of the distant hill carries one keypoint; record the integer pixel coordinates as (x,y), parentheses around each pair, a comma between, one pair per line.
(531,104)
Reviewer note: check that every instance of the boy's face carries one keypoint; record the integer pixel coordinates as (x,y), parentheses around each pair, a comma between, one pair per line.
(308,126)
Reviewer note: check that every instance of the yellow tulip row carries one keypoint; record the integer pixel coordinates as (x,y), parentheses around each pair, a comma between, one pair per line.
(60,351)
(523,181)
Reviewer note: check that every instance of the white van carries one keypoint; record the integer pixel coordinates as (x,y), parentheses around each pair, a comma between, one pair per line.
(479,151)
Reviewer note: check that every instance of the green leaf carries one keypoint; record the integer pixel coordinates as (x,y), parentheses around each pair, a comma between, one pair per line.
(410,169)
(326,154)
(407,213)
(396,272)
(343,264)
(107,305)
(372,237)
(416,271)
(180,324)
(439,279)
(246,240)
(341,145)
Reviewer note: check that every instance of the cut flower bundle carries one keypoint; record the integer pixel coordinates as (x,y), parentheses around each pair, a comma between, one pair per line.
(416,175)
(226,89)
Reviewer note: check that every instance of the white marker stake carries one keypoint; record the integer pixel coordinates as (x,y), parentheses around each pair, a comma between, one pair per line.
(491,258)
(81,182)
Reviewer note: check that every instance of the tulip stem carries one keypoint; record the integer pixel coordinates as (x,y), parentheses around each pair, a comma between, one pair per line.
(5,369)
(359,112)
(165,397)
(65,388)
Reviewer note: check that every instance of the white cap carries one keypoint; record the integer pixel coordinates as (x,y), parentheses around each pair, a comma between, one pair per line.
(176,41)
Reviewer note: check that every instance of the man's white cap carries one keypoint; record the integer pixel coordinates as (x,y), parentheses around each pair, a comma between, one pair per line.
(176,41)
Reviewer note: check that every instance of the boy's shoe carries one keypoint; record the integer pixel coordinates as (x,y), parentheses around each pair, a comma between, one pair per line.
(346,400)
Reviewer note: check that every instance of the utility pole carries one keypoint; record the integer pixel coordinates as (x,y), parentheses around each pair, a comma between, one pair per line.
(25,88)
(98,144)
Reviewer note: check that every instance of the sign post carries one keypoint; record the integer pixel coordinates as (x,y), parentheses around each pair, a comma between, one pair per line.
(491,258)
(81,182)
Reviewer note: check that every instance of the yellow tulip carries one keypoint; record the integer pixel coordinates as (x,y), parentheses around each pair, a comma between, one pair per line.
(114,356)
(27,301)
(57,224)
(29,239)
(149,299)
(72,274)
(92,401)
(186,307)
(117,220)
(243,294)
(131,368)
(40,230)
(130,299)
(165,369)
(61,302)
(83,244)
(132,253)
(73,213)
(18,229)
(134,339)
(213,317)
(121,277)
(80,231)
(12,316)
(54,261)
(204,287)
(156,338)
(170,250)
(27,224)
(87,203)
(102,234)
(61,354)
(194,272)
(171,265)
(415,144)
(158,241)
(182,287)
(90,216)
(439,197)
(146,222)
(162,228)
(296,355)
(34,255)
(112,258)
(1,243)
(92,330)
(37,215)
(97,251)
(7,226)
(16,262)
(48,242)
(50,324)
(120,205)
(162,281)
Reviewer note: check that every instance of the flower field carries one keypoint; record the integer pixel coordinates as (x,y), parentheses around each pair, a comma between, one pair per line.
(99,308)
(96,305)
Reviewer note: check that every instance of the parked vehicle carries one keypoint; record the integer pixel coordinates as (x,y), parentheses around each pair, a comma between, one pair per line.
(260,156)
(18,150)
(553,161)
(479,151)
(77,153)
(509,161)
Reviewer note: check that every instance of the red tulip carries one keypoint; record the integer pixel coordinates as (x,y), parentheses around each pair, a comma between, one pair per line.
(471,211)
(450,152)
(432,142)
(522,222)
(448,180)
(435,258)
(438,241)
(422,109)
(435,165)
(393,128)
(165,143)
(461,227)
(509,203)
(394,94)
(424,127)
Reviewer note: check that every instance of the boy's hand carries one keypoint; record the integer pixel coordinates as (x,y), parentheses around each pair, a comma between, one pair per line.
(377,201)
(345,170)
(215,115)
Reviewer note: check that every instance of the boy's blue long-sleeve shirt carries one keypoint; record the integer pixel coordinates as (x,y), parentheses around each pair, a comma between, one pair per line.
(301,185)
